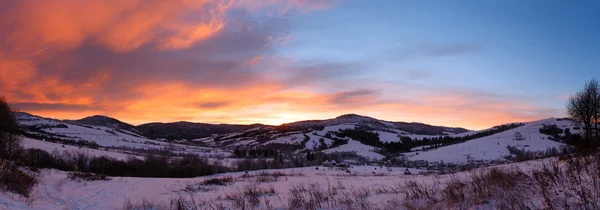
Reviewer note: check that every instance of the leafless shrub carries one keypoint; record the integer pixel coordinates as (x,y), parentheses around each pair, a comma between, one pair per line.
(509,186)
(505,189)
(143,205)
(360,174)
(87,176)
(193,188)
(356,199)
(334,196)
(223,181)
(279,174)
(574,186)
(455,191)
(394,189)
(16,179)
(181,203)
(217,206)
(307,197)
(249,197)
(419,195)
(271,176)
(267,179)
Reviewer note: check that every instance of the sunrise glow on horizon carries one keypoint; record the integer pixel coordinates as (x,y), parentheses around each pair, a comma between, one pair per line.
(471,64)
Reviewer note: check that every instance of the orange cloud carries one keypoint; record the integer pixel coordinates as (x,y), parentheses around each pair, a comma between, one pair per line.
(199,60)
(119,25)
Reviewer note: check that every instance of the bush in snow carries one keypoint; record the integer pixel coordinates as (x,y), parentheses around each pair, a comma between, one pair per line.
(250,196)
(86,176)
(223,181)
(16,179)
(574,186)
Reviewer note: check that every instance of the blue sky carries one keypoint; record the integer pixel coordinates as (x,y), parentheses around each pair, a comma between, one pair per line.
(465,63)
(537,49)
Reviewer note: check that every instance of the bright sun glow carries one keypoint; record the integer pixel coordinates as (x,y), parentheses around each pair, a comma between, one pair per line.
(282,118)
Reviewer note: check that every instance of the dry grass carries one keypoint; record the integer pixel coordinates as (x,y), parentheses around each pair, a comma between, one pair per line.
(222,181)
(265,177)
(144,205)
(87,176)
(250,196)
(572,184)
(420,195)
(16,179)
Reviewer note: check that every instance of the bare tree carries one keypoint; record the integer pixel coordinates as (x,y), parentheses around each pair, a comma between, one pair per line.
(584,106)
(596,89)
(9,128)
(593,88)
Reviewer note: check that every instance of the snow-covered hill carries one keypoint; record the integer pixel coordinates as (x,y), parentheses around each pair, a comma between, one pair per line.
(494,147)
(62,135)
(323,135)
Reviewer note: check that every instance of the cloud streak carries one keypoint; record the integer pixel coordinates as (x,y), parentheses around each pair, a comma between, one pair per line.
(210,61)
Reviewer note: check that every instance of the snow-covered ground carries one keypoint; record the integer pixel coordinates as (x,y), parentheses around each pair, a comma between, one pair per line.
(104,137)
(335,128)
(388,137)
(314,141)
(360,149)
(56,191)
(494,147)
(51,147)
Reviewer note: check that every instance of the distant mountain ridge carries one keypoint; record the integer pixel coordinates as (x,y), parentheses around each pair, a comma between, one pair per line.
(413,127)
(99,120)
(191,130)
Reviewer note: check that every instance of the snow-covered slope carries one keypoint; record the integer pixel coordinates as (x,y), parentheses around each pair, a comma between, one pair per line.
(312,135)
(56,191)
(494,147)
(360,149)
(28,143)
(105,137)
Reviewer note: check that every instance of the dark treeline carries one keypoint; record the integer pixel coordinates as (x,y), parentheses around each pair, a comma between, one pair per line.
(371,138)
(163,167)
(255,153)
(555,133)
(524,155)
(56,138)
(552,130)
(336,140)
(151,166)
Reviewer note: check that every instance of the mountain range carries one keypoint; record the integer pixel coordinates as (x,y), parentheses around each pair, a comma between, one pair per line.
(191,130)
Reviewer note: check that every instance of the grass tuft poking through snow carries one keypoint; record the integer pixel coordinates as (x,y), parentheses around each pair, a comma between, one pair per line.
(223,181)
(250,196)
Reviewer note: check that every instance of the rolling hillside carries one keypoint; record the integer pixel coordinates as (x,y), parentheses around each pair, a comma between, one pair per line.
(323,135)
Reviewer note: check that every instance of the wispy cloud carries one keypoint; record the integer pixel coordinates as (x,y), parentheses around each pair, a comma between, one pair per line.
(360,96)
(449,50)
(210,61)
(428,51)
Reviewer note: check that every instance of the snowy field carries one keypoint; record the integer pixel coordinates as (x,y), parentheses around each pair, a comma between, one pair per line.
(51,147)
(360,149)
(494,147)
(56,191)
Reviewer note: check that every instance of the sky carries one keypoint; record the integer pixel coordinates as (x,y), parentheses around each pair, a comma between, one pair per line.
(468,63)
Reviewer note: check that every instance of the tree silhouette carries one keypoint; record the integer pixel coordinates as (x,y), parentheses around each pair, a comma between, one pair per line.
(9,129)
(584,106)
